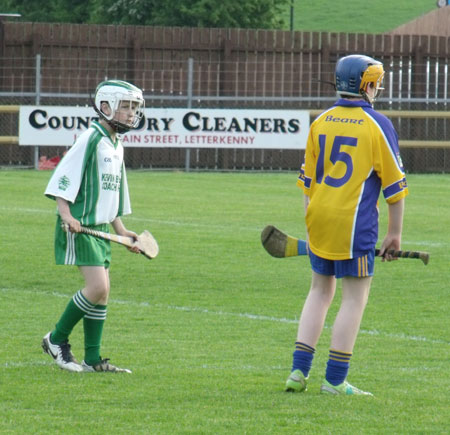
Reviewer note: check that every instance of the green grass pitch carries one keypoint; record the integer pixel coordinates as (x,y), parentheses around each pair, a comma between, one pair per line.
(209,326)
(354,16)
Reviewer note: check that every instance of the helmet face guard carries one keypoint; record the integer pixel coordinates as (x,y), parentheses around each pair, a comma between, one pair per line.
(120,96)
(355,73)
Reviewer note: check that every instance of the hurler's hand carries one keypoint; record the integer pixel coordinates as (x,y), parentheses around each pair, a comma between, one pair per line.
(72,225)
(135,247)
(389,242)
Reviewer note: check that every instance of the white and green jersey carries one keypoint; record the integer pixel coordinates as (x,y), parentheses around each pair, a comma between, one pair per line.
(92,178)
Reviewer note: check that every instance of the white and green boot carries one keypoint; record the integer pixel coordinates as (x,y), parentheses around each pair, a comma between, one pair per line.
(344,388)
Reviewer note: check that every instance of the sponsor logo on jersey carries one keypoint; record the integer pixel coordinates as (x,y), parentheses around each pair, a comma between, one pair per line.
(402,185)
(63,183)
(111,182)
(331,118)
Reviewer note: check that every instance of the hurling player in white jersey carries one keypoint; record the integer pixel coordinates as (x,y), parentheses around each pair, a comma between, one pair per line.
(90,188)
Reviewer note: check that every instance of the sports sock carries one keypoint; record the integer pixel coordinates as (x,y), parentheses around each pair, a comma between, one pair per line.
(77,307)
(337,367)
(93,329)
(302,358)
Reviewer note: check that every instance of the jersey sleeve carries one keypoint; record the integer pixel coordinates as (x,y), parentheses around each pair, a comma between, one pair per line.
(306,171)
(387,161)
(66,179)
(301,177)
(124,200)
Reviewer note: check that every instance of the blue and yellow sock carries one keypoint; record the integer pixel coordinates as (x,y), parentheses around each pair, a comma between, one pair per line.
(302,358)
(337,367)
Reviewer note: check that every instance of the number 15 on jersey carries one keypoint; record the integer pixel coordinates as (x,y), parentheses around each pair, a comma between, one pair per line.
(336,156)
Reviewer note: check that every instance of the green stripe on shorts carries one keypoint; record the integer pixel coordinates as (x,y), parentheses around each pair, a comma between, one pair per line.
(82,249)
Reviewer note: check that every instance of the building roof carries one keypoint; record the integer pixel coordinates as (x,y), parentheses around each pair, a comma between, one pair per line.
(435,23)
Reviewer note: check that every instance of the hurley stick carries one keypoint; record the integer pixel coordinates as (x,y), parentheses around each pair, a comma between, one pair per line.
(281,245)
(146,243)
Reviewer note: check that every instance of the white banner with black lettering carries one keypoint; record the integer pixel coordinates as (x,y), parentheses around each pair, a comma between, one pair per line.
(181,128)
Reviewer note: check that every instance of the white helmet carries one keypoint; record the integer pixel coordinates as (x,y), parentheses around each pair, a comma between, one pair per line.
(114,92)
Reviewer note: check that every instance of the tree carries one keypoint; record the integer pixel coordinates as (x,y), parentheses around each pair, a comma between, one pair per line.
(264,14)
(59,11)
(194,13)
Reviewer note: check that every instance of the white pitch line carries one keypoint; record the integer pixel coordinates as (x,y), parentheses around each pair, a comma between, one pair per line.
(295,321)
(28,210)
(139,219)
(257,317)
(15,365)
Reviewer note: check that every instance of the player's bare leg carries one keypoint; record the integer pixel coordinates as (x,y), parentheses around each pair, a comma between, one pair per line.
(310,327)
(312,319)
(97,285)
(355,292)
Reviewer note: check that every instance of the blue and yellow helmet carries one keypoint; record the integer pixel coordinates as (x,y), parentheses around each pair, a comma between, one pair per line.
(355,72)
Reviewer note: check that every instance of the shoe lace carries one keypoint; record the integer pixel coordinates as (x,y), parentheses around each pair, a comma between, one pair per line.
(65,352)
(107,367)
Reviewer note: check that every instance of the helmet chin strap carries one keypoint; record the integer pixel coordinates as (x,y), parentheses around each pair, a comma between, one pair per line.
(118,127)
(367,98)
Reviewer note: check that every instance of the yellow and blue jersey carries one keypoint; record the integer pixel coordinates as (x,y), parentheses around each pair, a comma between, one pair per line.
(351,155)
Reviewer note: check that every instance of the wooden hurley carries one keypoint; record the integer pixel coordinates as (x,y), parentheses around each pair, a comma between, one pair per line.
(146,243)
(281,245)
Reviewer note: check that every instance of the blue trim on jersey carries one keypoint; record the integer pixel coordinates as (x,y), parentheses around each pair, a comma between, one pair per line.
(307,182)
(391,137)
(388,129)
(301,175)
(352,103)
(395,188)
(366,225)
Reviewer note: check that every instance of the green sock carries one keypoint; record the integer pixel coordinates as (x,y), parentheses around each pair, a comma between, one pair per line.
(77,307)
(93,328)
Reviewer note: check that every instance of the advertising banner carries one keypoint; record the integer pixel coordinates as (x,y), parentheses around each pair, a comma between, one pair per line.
(179,128)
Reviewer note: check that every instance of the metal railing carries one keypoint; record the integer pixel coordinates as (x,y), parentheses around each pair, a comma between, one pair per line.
(422,122)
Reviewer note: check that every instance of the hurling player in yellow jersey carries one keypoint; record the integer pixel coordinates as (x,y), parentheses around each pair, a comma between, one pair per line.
(351,156)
